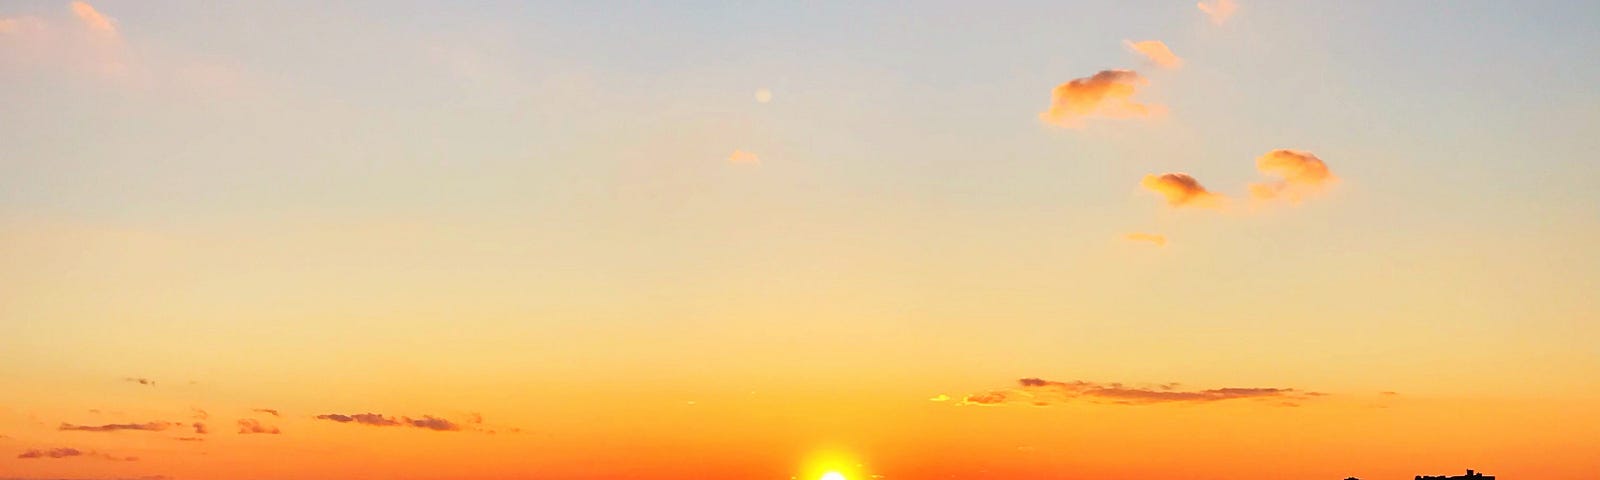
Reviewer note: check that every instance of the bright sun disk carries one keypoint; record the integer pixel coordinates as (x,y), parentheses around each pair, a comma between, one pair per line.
(832,476)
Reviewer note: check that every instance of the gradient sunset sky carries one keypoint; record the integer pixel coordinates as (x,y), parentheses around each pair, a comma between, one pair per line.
(1110,239)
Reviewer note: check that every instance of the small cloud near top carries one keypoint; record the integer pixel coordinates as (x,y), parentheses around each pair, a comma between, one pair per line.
(1180,190)
(741,157)
(268,411)
(93,19)
(1108,93)
(140,380)
(1156,52)
(1219,10)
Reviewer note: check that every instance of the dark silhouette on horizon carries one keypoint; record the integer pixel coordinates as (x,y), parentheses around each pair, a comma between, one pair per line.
(1471,475)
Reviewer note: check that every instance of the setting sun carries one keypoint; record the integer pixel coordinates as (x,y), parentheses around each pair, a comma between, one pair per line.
(832,476)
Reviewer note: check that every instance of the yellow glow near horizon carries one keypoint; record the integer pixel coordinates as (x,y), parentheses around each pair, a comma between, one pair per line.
(833,476)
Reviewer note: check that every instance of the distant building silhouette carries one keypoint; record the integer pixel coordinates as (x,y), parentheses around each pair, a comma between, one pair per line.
(1471,475)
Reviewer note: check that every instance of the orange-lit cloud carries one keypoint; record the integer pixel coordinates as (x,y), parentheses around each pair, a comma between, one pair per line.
(1181,190)
(1150,238)
(428,421)
(68,452)
(140,380)
(1156,52)
(269,411)
(433,423)
(200,428)
(1219,11)
(148,426)
(741,157)
(93,19)
(1298,174)
(1042,392)
(987,398)
(362,418)
(1108,93)
(251,425)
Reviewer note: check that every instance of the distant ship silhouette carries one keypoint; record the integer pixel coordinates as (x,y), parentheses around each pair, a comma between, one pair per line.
(1471,475)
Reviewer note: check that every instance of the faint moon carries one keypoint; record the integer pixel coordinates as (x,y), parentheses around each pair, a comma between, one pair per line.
(763,95)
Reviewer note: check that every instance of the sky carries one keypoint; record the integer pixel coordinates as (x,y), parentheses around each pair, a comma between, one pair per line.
(1129,239)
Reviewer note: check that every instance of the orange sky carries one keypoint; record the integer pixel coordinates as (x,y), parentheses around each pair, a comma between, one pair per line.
(1058,240)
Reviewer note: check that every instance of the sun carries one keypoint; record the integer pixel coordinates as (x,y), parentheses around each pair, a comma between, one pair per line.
(832,476)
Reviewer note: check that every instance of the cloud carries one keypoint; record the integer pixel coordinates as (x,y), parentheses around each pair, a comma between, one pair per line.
(1219,11)
(741,157)
(1042,392)
(93,19)
(940,398)
(113,427)
(1108,93)
(987,398)
(429,422)
(51,453)
(1156,52)
(190,439)
(70,453)
(1298,175)
(268,411)
(200,428)
(1181,190)
(372,419)
(1150,238)
(250,425)
(433,423)
(21,25)
(140,380)
(199,414)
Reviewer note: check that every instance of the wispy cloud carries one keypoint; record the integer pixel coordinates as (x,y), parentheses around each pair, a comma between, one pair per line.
(1108,93)
(23,25)
(251,425)
(1219,10)
(268,411)
(1181,190)
(140,380)
(114,427)
(372,419)
(1297,174)
(433,423)
(473,422)
(67,452)
(93,19)
(1150,238)
(1041,392)
(200,428)
(1156,52)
